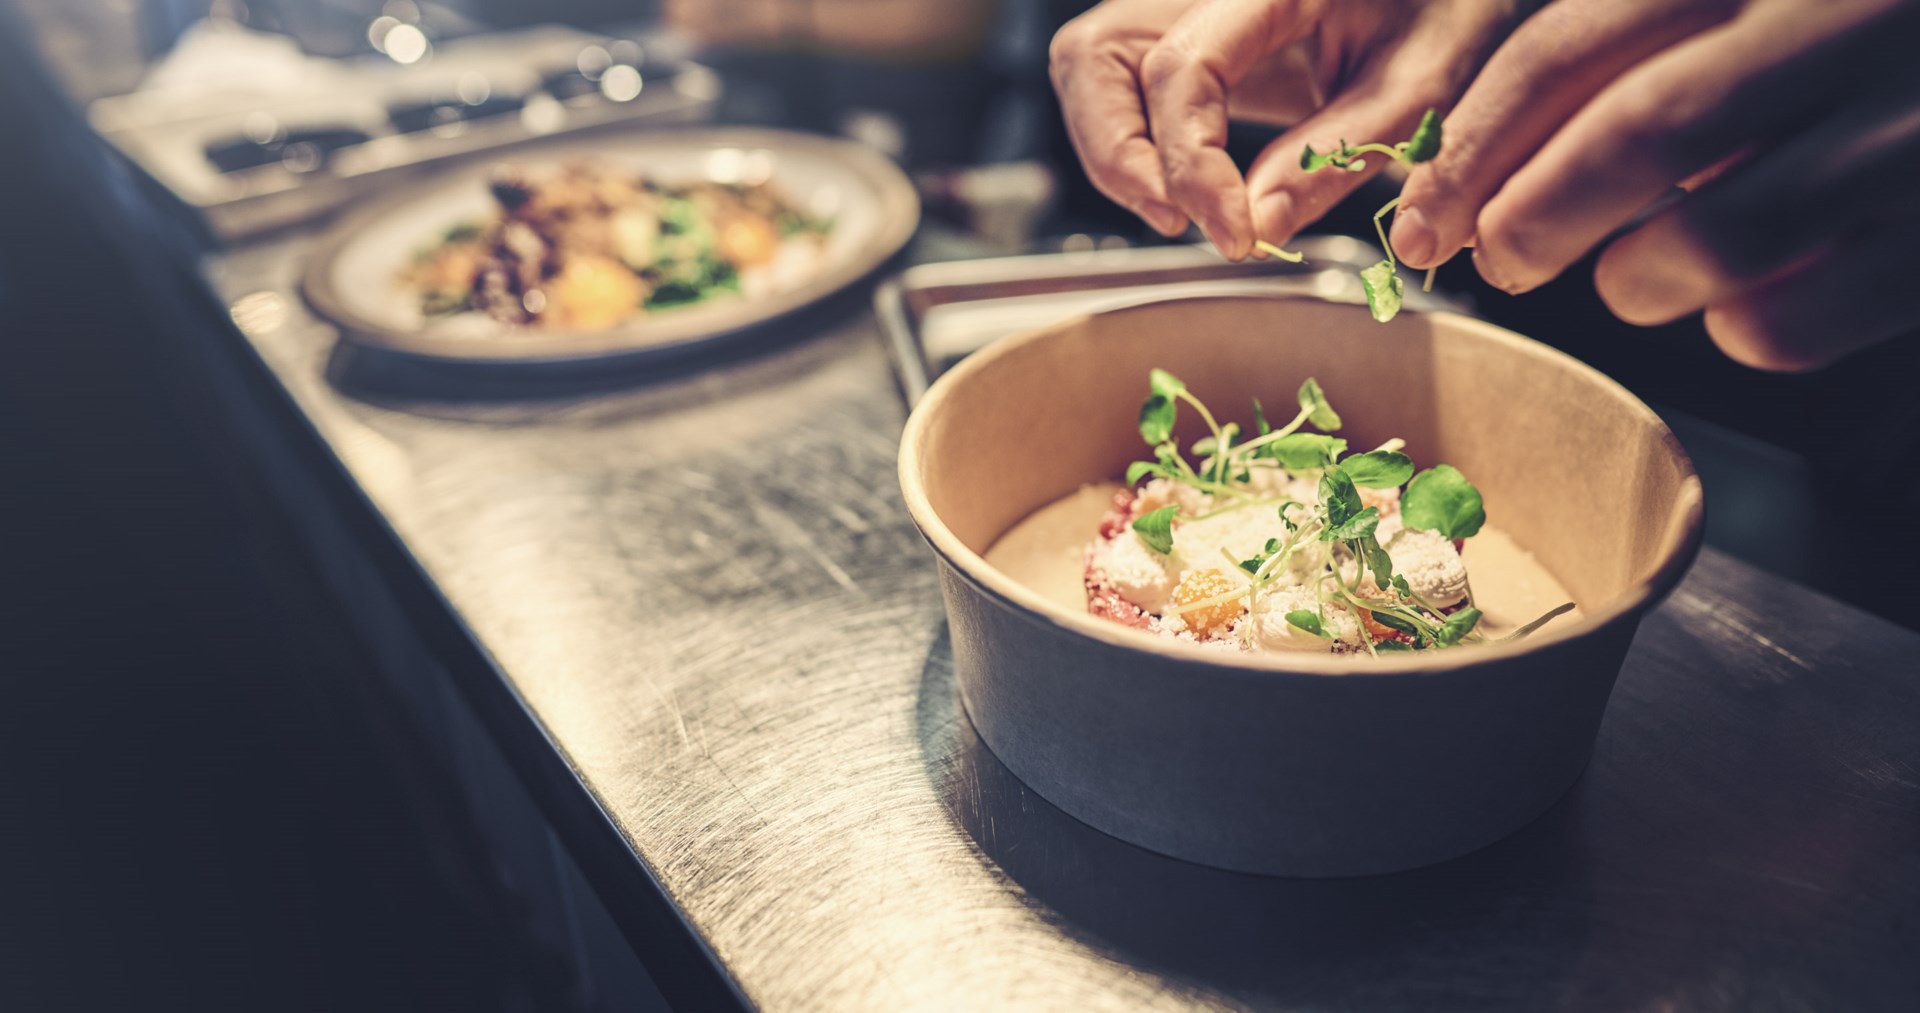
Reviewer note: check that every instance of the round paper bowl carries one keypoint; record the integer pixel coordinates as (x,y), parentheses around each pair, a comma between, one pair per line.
(1298,764)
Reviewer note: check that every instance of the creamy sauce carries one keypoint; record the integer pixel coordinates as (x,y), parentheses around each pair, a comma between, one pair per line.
(1047,552)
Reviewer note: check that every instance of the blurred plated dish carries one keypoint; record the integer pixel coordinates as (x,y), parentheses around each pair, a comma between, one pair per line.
(644,246)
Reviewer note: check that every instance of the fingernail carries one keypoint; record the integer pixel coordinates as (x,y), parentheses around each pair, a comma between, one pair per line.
(1220,238)
(1273,218)
(1413,239)
(1493,275)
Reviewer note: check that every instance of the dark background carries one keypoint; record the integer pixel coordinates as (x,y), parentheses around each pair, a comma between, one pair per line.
(199,805)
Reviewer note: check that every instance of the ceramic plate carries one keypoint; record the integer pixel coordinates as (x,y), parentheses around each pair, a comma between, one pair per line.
(353,277)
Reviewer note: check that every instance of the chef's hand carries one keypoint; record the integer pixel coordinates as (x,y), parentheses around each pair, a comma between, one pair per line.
(1793,125)
(1147,87)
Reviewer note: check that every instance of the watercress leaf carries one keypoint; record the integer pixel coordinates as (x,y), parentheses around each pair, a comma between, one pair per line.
(1457,626)
(1360,525)
(1252,565)
(1260,419)
(1164,383)
(1384,290)
(1396,623)
(1273,546)
(1156,529)
(1441,499)
(1314,402)
(1306,451)
(1339,496)
(1400,585)
(1392,645)
(1425,142)
(1378,561)
(1378,469)
(1306,620)
(1311,159)
(1156,418)
(1141,469)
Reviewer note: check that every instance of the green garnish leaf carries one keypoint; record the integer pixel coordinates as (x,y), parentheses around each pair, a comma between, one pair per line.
(1340,498)
(1457,626)
(1308,621)
(1141,469)
(1253,565)
(1377,469)
(1156,529)
(1400,585)
(1339,158)
(1305,451)
(1378,561)
(1441,499)
(1384,290)
(1426,138)
(1360,525)
(1156,418)
(1260,419)
(1395,623)
(1313,401)
(1165,384)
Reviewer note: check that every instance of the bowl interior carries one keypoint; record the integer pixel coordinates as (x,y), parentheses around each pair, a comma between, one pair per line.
(1576,469)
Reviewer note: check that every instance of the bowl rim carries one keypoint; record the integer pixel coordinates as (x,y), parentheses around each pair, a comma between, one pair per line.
(1676,558)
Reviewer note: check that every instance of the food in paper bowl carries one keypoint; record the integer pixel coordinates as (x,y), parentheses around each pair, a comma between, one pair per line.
(1280,539)
(1188,704)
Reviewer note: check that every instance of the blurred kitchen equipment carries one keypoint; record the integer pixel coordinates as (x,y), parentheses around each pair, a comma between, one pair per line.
(894,29)
(255,134)
(934,315)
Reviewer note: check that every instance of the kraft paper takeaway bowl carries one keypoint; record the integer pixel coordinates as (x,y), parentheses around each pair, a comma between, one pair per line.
(1294,763)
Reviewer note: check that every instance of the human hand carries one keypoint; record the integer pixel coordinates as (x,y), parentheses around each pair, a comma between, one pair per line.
(1791,125)
(1147,87)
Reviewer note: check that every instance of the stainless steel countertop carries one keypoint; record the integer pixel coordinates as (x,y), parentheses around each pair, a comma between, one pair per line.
(708,593)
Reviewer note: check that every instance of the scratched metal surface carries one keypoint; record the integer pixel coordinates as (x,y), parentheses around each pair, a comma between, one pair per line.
(708,592)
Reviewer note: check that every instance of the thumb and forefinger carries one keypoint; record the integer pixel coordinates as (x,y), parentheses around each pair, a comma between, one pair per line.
(1185,79)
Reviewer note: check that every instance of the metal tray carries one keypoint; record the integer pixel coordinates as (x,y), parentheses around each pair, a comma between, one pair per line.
(934,315)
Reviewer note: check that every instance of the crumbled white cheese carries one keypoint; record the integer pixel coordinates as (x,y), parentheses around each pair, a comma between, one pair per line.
(1140,574)
(1269,629)
(1429,562)
(1161,493)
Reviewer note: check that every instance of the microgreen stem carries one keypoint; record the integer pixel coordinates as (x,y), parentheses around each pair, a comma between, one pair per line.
(1427,286)
(1240,505)
(1278,434)
(1354,151)
(1277,253)
(1537,623)
(1218,599)
(1382,229)
(1220,454)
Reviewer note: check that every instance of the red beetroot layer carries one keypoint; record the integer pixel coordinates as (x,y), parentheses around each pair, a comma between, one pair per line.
(1102,599)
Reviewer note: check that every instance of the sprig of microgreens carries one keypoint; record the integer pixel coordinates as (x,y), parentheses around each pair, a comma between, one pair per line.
(1439,499)
(1382,283)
